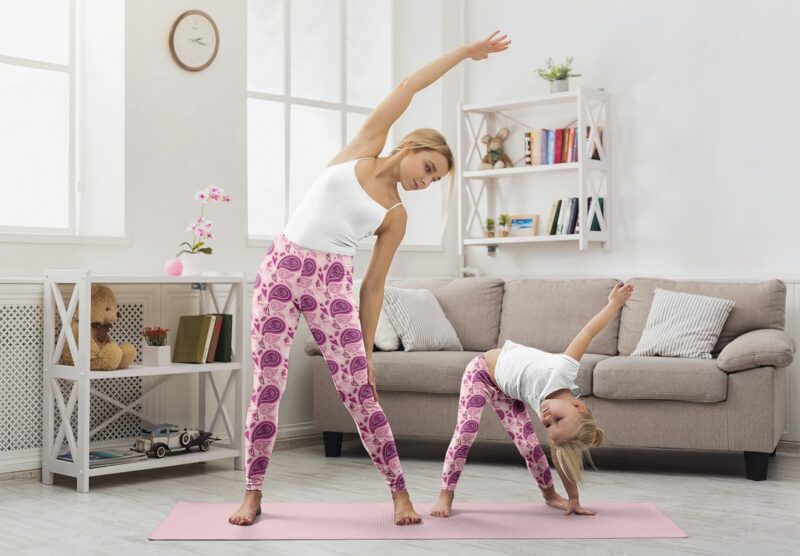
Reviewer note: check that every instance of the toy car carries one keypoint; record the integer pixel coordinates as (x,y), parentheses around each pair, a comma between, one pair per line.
(160,440)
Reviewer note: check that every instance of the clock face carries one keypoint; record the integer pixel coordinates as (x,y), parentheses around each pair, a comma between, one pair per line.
(194,40)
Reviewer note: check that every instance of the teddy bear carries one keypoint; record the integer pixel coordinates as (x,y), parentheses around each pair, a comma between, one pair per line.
(495,157)
(105,354)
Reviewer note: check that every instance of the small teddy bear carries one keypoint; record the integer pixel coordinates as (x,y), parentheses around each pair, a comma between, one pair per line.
(105,354)
(495,157)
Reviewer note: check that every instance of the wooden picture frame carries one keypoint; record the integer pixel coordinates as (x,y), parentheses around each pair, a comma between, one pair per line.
(523,224)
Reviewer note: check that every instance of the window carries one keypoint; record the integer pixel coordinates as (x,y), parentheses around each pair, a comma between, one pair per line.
(302,108)
(37,84)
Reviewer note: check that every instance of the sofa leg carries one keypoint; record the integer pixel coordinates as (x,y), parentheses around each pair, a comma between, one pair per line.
(775,451)
(755,465)
(333,444)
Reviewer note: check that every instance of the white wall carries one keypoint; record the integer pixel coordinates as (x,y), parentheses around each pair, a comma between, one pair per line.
(704,118)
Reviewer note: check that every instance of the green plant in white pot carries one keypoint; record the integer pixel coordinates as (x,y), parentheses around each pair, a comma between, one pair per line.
(557,75)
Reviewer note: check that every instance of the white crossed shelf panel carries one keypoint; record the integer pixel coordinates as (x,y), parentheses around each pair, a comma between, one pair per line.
(477,188)
(79,378)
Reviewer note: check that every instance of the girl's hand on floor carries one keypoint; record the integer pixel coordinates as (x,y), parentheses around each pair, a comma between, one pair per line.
(555,500)
(574,507)
(480,50)
(371,378)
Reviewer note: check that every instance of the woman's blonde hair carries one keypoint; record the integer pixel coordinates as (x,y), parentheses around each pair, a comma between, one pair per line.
(571,453)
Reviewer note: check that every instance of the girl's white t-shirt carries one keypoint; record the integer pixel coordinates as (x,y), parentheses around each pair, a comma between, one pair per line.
(530,375)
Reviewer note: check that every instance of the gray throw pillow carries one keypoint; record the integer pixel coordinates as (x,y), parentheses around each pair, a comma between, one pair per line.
(419,320)
(683,325)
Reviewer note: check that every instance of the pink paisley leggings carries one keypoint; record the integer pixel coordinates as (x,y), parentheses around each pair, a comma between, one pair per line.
(477,389)
(294,280)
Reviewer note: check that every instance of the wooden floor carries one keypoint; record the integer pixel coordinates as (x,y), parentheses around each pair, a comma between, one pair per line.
(704,493)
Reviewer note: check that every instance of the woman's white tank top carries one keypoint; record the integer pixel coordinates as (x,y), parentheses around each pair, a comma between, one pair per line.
(335,213)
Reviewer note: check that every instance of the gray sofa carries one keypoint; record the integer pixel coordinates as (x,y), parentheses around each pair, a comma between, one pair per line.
(733,402)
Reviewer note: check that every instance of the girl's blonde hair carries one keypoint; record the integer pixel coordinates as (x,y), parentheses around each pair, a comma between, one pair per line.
(572,452)
(426,138)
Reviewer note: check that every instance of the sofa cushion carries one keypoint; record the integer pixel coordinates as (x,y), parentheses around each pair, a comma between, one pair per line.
(419,320)
(758,305)
(472,305)
(759,348)
(548,314)
(437,372)
(659,378)
(683,325)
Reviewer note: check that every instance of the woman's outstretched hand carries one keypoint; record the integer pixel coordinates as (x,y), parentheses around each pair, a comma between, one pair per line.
(495,42)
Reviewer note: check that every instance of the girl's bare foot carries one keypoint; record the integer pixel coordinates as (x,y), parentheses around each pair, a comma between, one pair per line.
(443,505)
(404,513)
(249,510)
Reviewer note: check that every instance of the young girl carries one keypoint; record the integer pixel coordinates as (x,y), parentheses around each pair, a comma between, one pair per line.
(545,381)
(308,271)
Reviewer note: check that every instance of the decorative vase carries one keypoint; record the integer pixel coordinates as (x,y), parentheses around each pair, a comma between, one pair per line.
(193,264)
(490,233)
(155,356)
(559,85)
(504,233)
(173,267)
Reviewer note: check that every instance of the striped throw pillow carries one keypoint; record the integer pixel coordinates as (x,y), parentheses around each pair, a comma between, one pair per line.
(683,325)
(419,320)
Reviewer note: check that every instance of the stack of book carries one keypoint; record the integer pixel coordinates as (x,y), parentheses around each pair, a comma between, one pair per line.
(103,458)
(563,219)
(203,339)
(555,146)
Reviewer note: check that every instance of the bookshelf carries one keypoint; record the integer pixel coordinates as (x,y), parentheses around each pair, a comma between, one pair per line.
(588,108)
(79,378)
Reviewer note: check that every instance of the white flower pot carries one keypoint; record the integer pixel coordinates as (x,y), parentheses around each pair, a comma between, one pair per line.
(559,86)
(193,265)
(156,356)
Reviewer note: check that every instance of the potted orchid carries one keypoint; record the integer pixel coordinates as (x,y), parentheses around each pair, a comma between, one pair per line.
(156,352)
(187,260)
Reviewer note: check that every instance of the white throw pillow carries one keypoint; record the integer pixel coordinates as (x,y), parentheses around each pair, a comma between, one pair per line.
(683,325)
(419,320)
(386,339)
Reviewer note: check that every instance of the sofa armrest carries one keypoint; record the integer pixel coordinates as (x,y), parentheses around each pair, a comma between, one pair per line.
(758,348)
(311,347)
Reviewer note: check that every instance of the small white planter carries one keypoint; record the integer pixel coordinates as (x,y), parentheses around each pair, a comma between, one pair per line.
(559,86)
(193,265)
(156,356)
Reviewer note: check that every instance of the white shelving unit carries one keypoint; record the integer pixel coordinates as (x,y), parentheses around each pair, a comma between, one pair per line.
(590,110)
(81,376)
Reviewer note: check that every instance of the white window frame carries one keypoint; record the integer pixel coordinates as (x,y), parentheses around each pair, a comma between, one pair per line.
(343,107)
(70,69)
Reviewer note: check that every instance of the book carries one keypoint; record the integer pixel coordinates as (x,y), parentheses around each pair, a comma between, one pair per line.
(551,146)
(562,217)
(528,149)
(209,335)
(212,349)
(190,341)
(103,458)
(573,215)
(595,227)
(553,207)
(536,147)
(224,347)
(570,142)
(554,224)
(558,149)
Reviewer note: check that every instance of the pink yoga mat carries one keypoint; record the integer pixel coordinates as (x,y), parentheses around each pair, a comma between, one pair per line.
(188,521)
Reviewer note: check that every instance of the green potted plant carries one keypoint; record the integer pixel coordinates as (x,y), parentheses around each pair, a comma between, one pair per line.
(558,76)
(503,221)
(490,227)
(156,352)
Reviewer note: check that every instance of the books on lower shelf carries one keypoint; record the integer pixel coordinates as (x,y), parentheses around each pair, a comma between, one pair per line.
(103,458)
(556,146)
(563,217)
(203,339)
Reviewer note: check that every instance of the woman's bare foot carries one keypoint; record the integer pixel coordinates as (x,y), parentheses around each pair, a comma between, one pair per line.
(404,513)
(443,505)
(249,510)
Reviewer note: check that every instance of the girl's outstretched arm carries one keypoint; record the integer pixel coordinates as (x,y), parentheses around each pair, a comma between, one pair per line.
(616,299)
(371,138)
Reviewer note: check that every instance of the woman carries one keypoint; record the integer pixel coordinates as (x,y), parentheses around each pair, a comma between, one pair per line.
(308,270)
